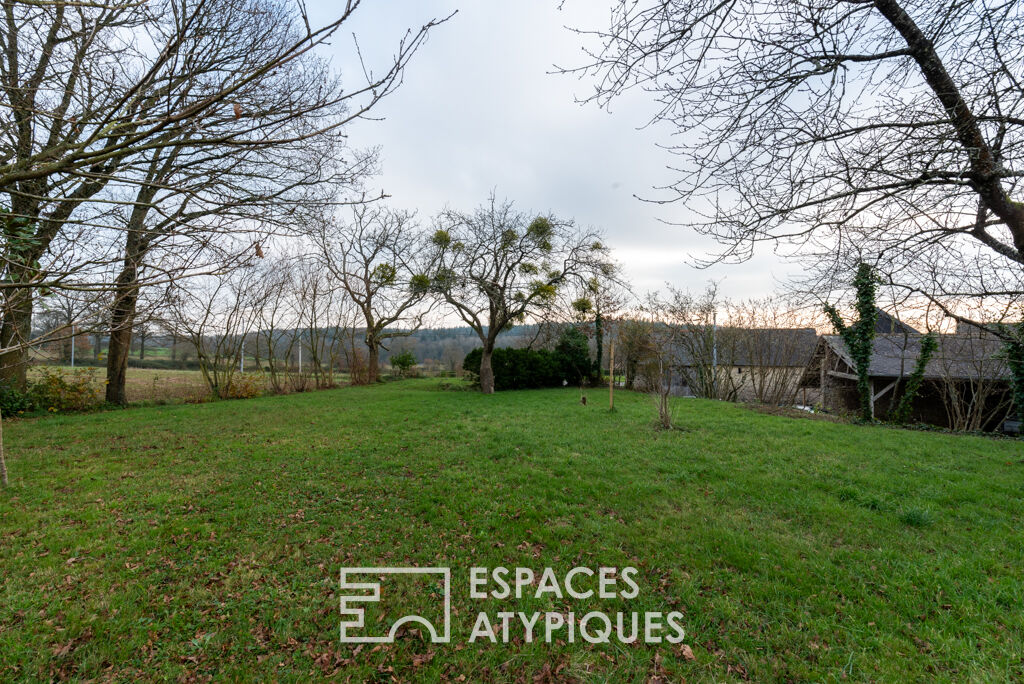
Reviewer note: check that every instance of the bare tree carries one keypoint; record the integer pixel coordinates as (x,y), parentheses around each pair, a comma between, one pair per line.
(381,260)
(497,266)
(63,323)
(886,131)
(97,95)
(216,314)
(774,345)
(302,311)
(658,353)
(276,321)
(268,165)
(972,380)
(321,313)
(706,350)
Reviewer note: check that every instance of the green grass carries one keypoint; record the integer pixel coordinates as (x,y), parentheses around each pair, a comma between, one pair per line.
(207,540)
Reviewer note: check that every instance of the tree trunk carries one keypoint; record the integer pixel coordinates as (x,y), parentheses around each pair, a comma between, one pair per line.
(373,360)
(599,338)
(142,344)
(611,376)
(117,364)
(3,462)
(16,330)
(67,344)
(867,398)
(14,335)
(122,315)
(486,370)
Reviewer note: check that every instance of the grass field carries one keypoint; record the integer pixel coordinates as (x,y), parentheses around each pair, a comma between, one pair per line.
(205,541)
(147,385)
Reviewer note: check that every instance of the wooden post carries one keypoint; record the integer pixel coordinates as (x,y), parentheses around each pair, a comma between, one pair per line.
(611,375)
(871,392)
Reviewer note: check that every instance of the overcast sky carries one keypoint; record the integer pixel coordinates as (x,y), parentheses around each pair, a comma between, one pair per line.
(480,110)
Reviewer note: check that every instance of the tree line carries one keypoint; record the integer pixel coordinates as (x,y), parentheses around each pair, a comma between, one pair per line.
(143,145)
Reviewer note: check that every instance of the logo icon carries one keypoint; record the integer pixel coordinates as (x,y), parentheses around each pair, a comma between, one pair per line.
(361,591)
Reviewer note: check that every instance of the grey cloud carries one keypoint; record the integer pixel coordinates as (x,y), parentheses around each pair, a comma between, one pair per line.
(479,111)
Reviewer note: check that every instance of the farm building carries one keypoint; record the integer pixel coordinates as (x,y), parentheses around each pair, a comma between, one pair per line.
(759,364)
(966,383)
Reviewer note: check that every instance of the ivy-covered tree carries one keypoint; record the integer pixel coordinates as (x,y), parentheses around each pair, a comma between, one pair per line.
(901,413)
(497,266)
(859,336)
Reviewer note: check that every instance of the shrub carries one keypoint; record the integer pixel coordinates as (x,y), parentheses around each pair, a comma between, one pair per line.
(471,363)
(403,362)
(516,368)
(573,352)
(13,401)
(534,368)
(244,386)
(60,390)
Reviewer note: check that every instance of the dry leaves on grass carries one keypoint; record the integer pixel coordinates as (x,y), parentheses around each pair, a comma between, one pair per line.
(549,674)
(67,648)
(421,659)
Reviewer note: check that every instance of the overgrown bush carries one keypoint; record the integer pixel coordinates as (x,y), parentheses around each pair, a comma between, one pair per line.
(569,363)
(245,386)
(60,390)
(13,401)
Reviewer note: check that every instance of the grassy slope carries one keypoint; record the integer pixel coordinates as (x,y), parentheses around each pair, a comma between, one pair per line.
(193,540)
